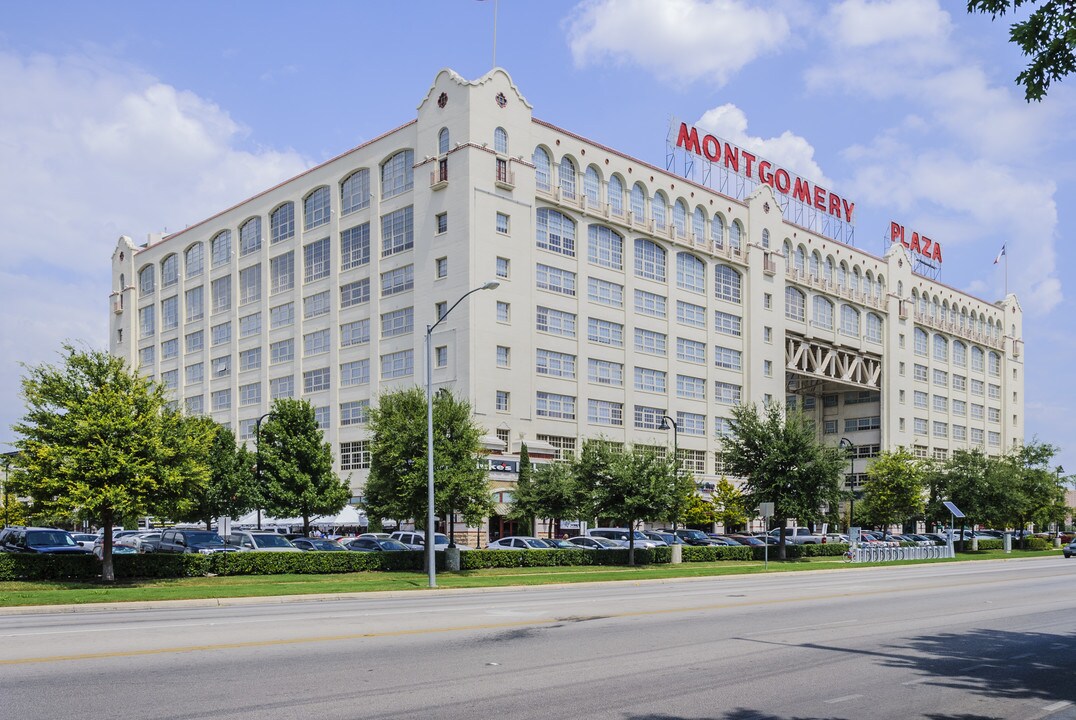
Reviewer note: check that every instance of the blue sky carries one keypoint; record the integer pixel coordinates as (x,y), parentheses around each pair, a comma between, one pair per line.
(137,117)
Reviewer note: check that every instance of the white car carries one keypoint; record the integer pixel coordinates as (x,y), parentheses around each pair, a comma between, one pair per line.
(416,540)
(595,543)
(143,542)
(621,536)
(261,541)
(519,542)
(85,540)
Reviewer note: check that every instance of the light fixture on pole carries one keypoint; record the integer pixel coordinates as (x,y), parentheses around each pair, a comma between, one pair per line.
(431,556)
(850,447)
(666,421)
(258,462)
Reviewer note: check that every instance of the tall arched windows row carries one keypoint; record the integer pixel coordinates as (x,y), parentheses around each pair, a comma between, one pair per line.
(957,317)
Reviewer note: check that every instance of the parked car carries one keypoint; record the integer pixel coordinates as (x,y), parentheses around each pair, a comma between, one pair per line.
(377,535)
(142,542)
(595,543)
(560,544)
(667,538)
(519,542)
(41,540)
(622,536)
(321,544)
(117,549)
(247,541)
(692,537)
(725,539)
(183,540)
(416,540)
(369,544)
(1069,550)
(748,540)
(86,540)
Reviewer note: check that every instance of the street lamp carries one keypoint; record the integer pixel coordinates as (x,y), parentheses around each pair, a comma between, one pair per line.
(849,446)
(3,492)
(431,556)
(666,421)
(258,462)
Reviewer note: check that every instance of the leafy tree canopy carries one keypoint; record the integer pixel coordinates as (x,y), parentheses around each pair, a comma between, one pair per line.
(230,489)
(730,505)
(552,492)
(895,489)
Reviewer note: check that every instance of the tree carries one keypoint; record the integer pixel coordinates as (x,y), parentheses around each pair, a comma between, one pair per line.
(630,486)
(965,480)
(396,487)
(1048,37)
(781,462)
(230,489)
(98,440)
(730,505)
(1036,491)
(552,492)
(296,465)
(700,512)
(894,490)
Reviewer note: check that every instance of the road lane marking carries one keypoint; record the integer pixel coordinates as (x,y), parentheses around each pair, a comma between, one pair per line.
(845,698)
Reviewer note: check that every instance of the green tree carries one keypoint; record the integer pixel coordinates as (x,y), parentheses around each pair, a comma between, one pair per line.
(730,505)
(1048,37)
(230,489)
(895,489)
(552,492)
(98,441)
(1036,491)
(700,512)
(296,467)
(966,480)
(781,462)
(396,487)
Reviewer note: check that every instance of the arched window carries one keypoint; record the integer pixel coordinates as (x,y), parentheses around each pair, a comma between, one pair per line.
(250,236)
(398,174)
(500,141)
(442,141)
(605,247)
(879,288)
(854,285)
(220,247)
(842,276)
(920,342)
(698,225)
(169,270)
(766,238)
(680,218)
(717,231)
(799,260)
(829,270)
(874,328)
(556,232)
(543,173)
(816,265)
(994,364)
(924,305)
(690,272)
(194,259)
(649,260)
(960,353)
(963,318)
(592,186)
(934,308)
(638,202)
(317,207)
(145,280)
(795,304)
(977,358)
(566,177)
(726,284)
(786,249)
(282,223)
(941,348)
(849,321)
(735,233)
(823,313)
(616,195)
(900,288)
(355,191)
(657,207)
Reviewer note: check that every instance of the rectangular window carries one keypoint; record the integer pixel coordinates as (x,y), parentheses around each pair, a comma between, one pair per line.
(221,399)
(398,364)
(860,397)
(767,368)
(282,387)
(316,342)
(650,304)
(441,221)
(605,332)
(993,392)
(355,333)
(555,279)
(605,293)
(863,423)
(920,399)
(316,304)
(690,314)
(727,393)
(993,438)
(650,380)
(691,388)
(221,290)
(170,313)
(919,372)
(316,263)
(976,436)
(397,231)
(504,312)
(440,268)
(250,394)
(397,322)
(355,247)
(941,403)
(551,405)
(650,342)
(282,316)
(977,387)
(250,359)
(960,407)
(941,429)
(727,358)
(282,351)
(194,405)
(690,351)
(722,427)
(282,273)
(976,411)
(441,356)
(354,455)
(554,322)
(502,223)
(355,293)
(605,372)
(504,356)
(221,366)
(354,412)
(194,342)
(146,356)
(250,284)
(941,378)
(727,324)
(398,280)
(250,325)
(690,423)
(604,412)
(193,373)
(145,321)
(322,417)
(960,432)
(502,401)
(356,372)
(504,268)
(316,380)
(993,415)
(829,427)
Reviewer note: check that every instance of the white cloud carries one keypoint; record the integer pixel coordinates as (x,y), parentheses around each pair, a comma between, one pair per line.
(91,149)
(679,41)
(858,23)
(788,150)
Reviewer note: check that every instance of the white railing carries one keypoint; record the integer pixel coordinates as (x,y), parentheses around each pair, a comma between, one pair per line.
(886,552)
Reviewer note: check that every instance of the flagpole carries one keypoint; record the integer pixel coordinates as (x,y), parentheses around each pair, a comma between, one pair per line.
(1006,274)
(494,33)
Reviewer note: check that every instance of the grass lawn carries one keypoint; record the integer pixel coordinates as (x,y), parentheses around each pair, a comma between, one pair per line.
(81,592)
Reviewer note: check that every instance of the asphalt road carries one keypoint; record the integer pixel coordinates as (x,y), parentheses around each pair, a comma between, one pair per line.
(946,642)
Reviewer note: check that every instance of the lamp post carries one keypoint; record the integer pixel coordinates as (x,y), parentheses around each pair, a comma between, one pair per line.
(666,421)
(849,446)
(3,493)
(258,462)
(431,556)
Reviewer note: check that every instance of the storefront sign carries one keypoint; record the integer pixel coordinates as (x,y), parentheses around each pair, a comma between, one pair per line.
(920,244)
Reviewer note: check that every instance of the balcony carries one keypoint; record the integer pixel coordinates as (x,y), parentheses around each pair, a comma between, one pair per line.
(439,177)
(506,179)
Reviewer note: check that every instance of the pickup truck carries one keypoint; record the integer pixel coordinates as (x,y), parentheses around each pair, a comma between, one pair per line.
(800,536)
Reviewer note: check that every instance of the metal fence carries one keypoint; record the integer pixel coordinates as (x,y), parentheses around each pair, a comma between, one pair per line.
(888,553)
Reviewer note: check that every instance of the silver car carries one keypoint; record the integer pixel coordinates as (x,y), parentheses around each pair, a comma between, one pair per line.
(519,542)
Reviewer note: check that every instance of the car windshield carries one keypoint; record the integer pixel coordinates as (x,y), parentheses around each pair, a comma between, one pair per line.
(693,534)
(204,538)
(273,540)
(439,539)
(392,545)
(325,544)
(539,544)
(48,538)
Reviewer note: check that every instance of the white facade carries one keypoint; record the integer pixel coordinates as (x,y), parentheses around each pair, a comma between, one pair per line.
(626,293)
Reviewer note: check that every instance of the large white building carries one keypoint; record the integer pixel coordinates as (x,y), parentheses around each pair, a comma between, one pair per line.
(627,293)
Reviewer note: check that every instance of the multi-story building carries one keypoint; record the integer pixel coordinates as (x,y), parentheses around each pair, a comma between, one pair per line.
(627,294)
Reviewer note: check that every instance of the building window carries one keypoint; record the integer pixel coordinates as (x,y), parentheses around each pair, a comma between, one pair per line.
(863,423)
(355,247)
(767,368)
(170,313)
(554,322)
(220,399)
(441,356)
(874,328)
(282,387)
(441,223)
(564,446)
(504,356)
(356,372)
(690,273)
(354,412)
(193,373)
(397,174)
(727,358)
(316,380)
(649,260)
(282,273)
(502,402)
(398,364)
(727,393)
(282,351)
(250,284)
(398,280)
(605,247)
(555,279)
(605,372)
(941,378)
(282,223)
(795,304)
(690,351)
(355,192)
(648,418)
(355,333)
(504,266)
(767,301)
(322,417)
(221,366)
(829,427)
(941,348)
(316,264)
(555,232)
(250,359)
(647,303)
(919,372)
(355,293)
(317,208)
(250,394)
(722,427)
(650,380)
(552,405)
(605,293)
(504,312)
(194,260)
(502,225)
(397,231)
(726,284)
(605,412)
(690,423)
(397,322)
(605,332)
(690,388)
(849,321)
(355,455)
(727,324)
(920,399)
(221,291)
(650,342)
(920,345)
(316,343)
(221,248)
(566,177)
(941,403)
(941,429)
(316,305)
(548,362)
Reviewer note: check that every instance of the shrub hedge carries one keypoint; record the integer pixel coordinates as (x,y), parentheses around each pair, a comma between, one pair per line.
(1037,543)
(481,559)
(32,566)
